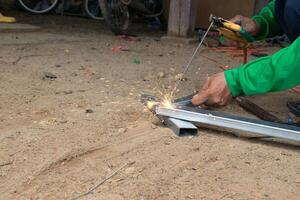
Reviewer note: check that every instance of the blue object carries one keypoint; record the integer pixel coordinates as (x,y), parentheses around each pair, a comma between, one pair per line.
(288,17)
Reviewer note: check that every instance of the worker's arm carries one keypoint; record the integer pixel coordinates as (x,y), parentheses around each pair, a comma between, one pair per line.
(266,22)
(278,72)
(261,26)
(268,74)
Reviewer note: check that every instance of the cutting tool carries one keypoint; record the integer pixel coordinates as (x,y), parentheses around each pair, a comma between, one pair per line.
(231,30)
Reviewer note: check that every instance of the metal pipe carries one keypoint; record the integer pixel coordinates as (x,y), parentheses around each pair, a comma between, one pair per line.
(200,116)
(180,127)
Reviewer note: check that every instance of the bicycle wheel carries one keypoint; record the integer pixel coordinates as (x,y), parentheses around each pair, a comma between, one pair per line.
(93,10)
(116,15)
(38,6)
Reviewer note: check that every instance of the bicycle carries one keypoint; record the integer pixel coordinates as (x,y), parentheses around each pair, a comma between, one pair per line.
(117,13)
(91,7)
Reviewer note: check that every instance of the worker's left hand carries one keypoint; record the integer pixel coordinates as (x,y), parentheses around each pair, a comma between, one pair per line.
(215,92)
(296,89)
(247,23)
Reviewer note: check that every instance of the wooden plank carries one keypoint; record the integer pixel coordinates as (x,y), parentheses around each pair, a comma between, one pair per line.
(182,17)
(174,18)
(187,17)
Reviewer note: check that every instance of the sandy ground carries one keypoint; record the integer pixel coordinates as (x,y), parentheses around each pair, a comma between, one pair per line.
(59,137)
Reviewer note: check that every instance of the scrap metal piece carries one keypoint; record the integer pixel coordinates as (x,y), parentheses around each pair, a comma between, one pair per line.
(180,127)
(215,119)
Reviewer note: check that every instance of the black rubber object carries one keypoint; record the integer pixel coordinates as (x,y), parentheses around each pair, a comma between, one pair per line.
(294,107)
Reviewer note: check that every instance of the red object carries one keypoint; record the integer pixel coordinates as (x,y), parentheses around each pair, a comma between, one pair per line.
(120,48)
(129,38)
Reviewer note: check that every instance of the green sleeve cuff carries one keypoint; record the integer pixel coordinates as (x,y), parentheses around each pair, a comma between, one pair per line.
(263,27)
(233,82)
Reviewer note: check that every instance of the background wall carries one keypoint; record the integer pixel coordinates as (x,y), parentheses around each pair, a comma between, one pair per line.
(223,8)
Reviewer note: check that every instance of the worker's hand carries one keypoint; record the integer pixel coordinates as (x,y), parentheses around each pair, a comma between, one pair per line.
(215,92)
(247,23)
(296,89)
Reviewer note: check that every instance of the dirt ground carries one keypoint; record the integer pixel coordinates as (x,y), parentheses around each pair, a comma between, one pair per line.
(61,136)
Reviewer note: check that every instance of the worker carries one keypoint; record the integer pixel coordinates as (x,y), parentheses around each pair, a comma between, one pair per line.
(274,73)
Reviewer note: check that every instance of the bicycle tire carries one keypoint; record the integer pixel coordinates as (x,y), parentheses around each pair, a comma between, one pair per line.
(90,13)
(24,6)
(117,29)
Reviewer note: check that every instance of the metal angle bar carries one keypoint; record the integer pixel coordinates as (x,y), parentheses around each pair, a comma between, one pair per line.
(180,127)
(259,127)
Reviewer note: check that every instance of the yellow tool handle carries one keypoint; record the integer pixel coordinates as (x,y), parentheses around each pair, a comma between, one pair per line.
(7,19)
(232,35)
(232,26)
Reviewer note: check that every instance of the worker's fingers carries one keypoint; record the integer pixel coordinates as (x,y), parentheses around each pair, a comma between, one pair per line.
(237,19)
(200,98)
(206,84)
(296,89)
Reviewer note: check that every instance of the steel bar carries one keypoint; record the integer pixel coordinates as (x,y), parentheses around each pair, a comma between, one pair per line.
(200,116)
(180,127)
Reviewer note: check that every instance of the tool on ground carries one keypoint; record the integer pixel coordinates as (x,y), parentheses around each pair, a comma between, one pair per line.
(191,60)
(233,32)
(4,19)
(255,109)
(221,121)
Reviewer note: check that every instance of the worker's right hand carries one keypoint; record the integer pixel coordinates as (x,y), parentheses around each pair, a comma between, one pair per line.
(247,23)
(215,92)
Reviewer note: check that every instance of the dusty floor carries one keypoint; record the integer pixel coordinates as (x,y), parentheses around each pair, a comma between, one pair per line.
(59,137)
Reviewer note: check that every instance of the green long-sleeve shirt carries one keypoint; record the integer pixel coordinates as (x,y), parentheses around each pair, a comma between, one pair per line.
(274,73)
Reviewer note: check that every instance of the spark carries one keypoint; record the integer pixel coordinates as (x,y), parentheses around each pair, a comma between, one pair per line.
(167,102)
(151,104)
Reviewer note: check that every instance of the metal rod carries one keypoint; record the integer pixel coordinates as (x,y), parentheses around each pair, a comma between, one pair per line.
(191,59)
(218,119)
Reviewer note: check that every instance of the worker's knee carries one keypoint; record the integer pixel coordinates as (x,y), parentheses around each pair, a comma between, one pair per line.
(292,11)
(292,19)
